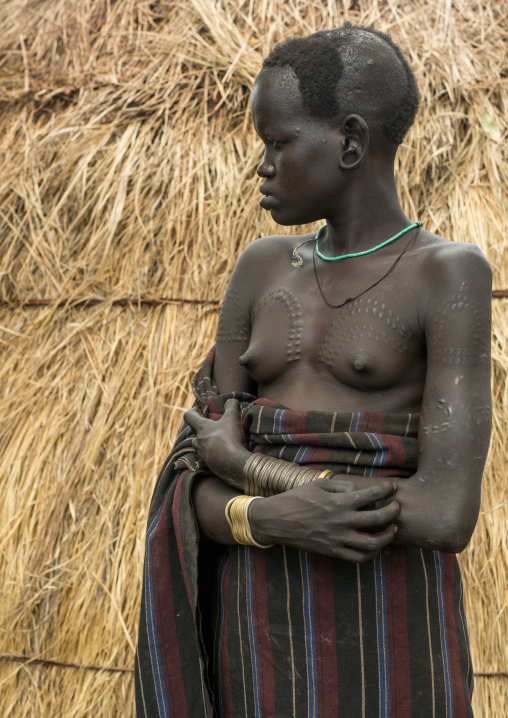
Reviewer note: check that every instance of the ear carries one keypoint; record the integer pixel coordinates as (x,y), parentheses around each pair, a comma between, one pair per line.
(355,142)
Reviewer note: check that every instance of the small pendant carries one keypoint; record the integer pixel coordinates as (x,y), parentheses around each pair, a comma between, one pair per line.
(297,258)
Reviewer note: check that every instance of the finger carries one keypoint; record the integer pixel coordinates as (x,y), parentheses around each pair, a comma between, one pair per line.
(193,419)
(376,517)
(372,542)
(374,493)
(353,556)
(337,486)
(232,406)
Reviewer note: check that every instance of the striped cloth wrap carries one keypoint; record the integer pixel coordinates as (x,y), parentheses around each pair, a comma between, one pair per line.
(242,632)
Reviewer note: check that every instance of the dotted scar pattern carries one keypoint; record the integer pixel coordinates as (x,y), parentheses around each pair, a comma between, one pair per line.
(386,329)
(292,306)
(478,323)
(232,325)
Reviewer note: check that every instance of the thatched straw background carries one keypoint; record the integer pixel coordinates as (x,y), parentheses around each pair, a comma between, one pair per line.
(128,174)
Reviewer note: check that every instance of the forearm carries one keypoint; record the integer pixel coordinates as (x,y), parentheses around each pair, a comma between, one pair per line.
(319,517)
(431,515)
(210,496)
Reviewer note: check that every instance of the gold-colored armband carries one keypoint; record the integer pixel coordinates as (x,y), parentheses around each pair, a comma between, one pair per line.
(237,515)
(266,476)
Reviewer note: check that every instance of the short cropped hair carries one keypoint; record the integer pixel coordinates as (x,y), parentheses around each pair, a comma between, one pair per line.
(352,69)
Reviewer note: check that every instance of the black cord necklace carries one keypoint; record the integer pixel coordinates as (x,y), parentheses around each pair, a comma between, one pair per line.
(352,299)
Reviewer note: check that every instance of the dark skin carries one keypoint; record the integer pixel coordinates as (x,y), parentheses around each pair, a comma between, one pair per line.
(417,342)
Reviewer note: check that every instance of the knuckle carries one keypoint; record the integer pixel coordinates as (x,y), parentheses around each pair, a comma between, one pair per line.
(372,544)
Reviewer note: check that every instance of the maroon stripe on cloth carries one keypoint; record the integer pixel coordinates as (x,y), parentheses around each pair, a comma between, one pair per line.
(373,423)
(263,640)
(176,510)
(166,620)
(326,644)
(459,703)
(214,411)
(318,456)
(295,422)
(396,455)
(400,682)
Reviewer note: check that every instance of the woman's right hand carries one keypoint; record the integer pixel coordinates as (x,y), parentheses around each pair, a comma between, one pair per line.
(328,518)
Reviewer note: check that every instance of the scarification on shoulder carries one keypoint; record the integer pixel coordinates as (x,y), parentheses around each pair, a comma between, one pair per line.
(233,327)
(463,308)
(287,299)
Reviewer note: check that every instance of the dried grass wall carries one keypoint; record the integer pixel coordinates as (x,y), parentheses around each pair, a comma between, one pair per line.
(127,177)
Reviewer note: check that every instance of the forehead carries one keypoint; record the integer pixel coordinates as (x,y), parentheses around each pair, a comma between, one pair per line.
(276,99)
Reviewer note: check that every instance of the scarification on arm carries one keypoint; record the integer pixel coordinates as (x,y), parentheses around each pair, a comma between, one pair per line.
(372,320)
(287,299)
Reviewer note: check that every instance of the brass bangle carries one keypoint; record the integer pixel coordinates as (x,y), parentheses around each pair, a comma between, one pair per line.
(326,474)
(265,475)
(237,515)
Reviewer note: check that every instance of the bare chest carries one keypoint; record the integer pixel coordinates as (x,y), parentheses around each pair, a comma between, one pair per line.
(371,344)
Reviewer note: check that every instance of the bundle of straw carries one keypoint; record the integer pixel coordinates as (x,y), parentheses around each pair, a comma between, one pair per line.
(127,191)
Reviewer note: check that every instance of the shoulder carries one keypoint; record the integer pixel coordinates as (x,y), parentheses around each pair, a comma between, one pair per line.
(452,276)
(275,248)
(257,265)
(266,256)
(445,267)
(441,256)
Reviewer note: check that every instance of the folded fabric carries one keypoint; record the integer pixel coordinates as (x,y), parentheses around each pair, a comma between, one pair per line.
(239,631)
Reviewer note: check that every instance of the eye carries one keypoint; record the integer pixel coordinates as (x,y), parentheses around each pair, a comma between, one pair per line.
(276,144)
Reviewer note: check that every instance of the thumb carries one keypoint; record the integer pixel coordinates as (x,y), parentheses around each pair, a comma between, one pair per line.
(336,486)
(232,406)
(193,418)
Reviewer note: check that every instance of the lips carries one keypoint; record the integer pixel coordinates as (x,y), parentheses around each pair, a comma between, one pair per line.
(268,201)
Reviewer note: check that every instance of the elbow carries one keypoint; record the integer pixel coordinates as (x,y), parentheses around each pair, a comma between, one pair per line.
(454,544)
(453,536)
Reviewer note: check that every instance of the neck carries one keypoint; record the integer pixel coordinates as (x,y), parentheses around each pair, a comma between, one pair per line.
(370,214)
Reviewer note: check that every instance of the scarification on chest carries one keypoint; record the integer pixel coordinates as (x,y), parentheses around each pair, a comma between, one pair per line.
(286,299)
(364,321)
(232,325)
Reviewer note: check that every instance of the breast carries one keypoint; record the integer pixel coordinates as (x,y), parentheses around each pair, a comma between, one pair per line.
(366,346)
(369,345)
(276,337)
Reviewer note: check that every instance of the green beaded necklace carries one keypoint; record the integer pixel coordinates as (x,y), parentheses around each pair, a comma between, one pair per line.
(359,254)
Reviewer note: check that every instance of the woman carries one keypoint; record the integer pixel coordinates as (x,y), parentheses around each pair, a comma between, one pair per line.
(368,345)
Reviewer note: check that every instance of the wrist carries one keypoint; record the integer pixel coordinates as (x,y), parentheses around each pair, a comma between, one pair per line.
(237,460)
(258,521)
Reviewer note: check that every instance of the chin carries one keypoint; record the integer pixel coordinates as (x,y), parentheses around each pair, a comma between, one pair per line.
(289,219)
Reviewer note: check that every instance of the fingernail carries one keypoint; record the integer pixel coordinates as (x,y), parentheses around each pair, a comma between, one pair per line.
(395,528)
(395,487)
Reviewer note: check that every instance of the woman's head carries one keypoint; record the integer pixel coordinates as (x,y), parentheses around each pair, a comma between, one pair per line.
(325,105)
(352,70)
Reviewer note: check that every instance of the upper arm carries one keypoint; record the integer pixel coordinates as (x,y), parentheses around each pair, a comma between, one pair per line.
(456,409)
(234,330)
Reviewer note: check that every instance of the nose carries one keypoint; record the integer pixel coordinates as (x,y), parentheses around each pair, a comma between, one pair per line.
(265,169)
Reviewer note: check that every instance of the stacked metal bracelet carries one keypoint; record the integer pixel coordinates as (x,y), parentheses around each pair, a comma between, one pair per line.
(266,476)
(237,515)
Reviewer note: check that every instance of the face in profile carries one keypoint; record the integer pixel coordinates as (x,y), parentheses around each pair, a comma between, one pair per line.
(302,180)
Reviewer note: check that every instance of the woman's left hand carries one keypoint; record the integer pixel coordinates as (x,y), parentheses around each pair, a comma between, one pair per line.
(221,444)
